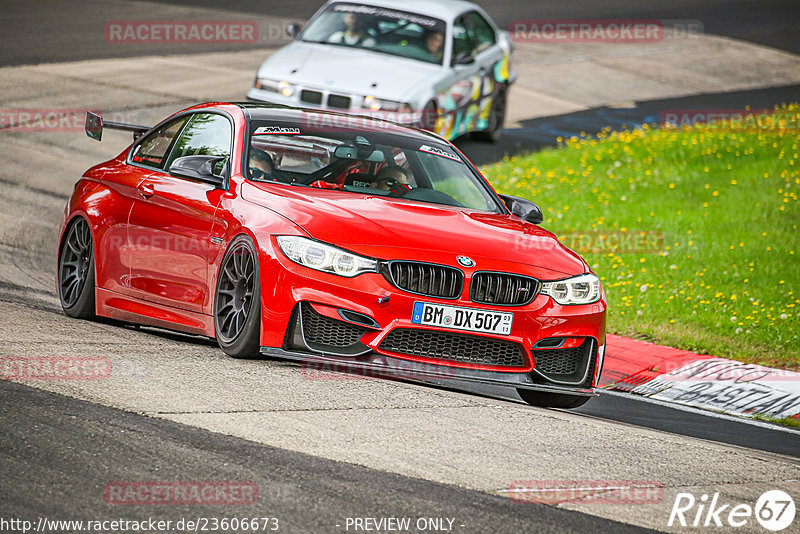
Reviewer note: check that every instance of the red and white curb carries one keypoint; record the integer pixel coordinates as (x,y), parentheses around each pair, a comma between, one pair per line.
(702,381)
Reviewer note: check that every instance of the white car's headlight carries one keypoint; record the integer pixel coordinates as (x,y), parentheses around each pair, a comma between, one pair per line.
(326,258)
(282,87)
(376,104)
(582,289)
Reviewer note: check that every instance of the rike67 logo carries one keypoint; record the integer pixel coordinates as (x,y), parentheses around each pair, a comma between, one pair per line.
(774,510)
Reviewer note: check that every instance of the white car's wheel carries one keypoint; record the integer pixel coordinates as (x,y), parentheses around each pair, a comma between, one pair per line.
(429,115)
(497,117)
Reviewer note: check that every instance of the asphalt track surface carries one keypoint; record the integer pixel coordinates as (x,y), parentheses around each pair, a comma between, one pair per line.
(72,30)
(38,31)
(47,435)
(771,23)
(630,409)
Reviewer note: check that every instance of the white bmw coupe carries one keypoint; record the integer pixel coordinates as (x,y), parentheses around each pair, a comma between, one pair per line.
(441,65)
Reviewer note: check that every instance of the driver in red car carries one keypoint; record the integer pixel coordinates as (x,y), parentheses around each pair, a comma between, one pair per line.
(261,165)
(392,178)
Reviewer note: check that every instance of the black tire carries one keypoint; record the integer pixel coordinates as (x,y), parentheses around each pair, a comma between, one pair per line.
(237,301)
(543,399)
(497,117)
(76,271)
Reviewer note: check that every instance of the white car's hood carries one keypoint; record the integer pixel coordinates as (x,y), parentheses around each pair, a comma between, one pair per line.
(348,70)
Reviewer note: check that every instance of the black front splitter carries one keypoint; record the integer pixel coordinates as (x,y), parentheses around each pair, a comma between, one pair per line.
(381,366)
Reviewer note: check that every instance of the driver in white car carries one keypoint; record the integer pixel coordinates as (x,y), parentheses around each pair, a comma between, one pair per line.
(354,34)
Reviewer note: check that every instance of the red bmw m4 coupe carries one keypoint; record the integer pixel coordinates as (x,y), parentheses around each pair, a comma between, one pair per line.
(333,239)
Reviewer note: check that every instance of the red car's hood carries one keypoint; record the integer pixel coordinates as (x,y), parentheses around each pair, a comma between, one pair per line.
(395,229)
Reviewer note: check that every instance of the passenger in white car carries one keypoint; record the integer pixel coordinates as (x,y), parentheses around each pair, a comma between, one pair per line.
(434,44)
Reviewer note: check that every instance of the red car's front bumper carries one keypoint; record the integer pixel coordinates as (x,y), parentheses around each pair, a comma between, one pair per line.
(379,308)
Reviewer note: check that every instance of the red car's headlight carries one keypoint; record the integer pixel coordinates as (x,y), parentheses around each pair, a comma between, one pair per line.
(582,289)
(326,258)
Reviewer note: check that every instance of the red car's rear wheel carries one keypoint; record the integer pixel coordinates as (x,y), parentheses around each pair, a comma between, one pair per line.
(237,307)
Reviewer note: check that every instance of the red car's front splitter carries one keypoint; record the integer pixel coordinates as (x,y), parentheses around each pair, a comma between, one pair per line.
(320,366)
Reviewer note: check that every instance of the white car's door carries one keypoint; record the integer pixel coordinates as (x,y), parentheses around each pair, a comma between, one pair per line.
(465,102)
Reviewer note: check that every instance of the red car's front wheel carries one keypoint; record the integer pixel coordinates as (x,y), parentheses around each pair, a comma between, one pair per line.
(237,307)
(76,271)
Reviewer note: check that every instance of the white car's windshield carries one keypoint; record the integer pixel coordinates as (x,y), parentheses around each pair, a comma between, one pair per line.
(381,29)
(378,164)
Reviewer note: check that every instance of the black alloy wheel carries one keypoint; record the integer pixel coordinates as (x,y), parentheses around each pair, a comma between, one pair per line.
(76,271)
(237,307)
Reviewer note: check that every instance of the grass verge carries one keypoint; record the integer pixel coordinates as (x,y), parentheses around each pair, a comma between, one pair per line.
(692,230)
(791,422)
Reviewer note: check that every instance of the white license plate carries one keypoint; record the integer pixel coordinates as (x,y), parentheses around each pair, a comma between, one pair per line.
(469,319)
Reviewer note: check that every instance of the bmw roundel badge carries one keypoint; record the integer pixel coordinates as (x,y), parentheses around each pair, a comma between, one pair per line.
(465,261)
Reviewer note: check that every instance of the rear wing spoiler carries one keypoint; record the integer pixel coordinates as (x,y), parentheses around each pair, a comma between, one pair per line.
(95,124)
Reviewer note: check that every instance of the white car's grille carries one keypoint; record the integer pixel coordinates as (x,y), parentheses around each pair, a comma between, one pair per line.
(311,97)
(339,101)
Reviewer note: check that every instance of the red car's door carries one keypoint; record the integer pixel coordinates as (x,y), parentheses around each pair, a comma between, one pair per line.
(170,227)
(113,268)
(124,180)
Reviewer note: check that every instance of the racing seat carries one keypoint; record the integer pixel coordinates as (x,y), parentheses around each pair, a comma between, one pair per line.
(360,179)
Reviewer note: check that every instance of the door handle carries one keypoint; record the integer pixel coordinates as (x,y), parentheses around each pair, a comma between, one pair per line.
(146,190)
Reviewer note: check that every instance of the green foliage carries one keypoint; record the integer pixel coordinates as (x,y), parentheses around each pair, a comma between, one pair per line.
(693,231)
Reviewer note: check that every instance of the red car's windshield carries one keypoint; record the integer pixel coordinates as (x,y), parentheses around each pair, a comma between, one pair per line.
(370,163)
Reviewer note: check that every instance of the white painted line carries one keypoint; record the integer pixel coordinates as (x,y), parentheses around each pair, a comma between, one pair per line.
(699,411)
(562,489)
